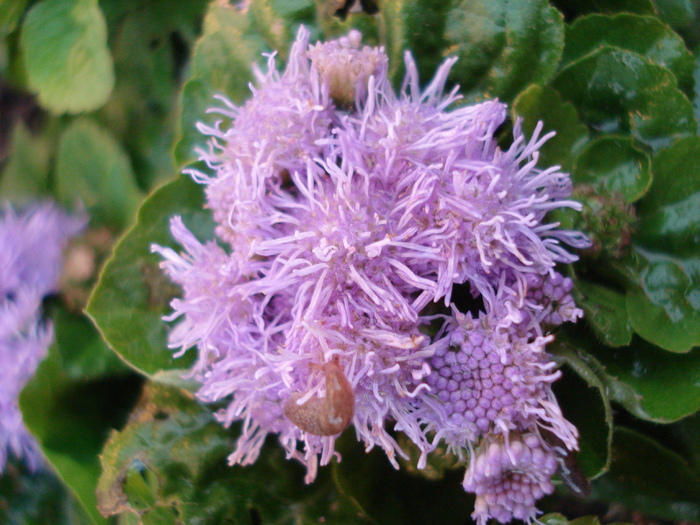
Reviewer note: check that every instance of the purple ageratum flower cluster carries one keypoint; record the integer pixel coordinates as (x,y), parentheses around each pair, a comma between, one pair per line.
(343,210)
(31,246)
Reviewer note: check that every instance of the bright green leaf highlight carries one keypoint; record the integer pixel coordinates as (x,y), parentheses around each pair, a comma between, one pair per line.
(503,45)
(613,164)
(66,55)
(544,104)
(649,478)
(644,35)
(92,168)
(618,91)
(133,294)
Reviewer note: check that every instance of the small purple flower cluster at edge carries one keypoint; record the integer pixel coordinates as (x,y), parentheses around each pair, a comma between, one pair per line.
(345,213)
(31,248)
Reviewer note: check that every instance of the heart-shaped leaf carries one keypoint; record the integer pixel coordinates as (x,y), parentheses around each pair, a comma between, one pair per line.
(649,478)
(544,104)
(618,91)
(613,164)
(65,51)
(644,35)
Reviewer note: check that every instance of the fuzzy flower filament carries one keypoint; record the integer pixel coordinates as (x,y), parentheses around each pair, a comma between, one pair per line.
(338,225)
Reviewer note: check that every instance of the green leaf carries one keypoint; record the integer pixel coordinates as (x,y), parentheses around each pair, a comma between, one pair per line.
(584,402)
(649,382)
(71,413)
(91,167)
(26,173)
(618,91)
(418,26)
(276,20)
(671,211)
(221,64)
(150,42)
(10,13)
(676,13)
(544,104)
(37,498)
(504,45)
(649,478)
(614,164)
(390,496)
(560,519)
(605,311)
(696,97)
(64,44)
(182,476)
(133,294)
(644,35)
(664,304)
(84,354)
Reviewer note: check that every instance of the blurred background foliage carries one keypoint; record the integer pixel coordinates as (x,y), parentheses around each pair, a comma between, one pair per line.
(98,105)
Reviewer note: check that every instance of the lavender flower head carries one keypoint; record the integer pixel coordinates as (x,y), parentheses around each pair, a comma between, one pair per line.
(344,212)
(31,246)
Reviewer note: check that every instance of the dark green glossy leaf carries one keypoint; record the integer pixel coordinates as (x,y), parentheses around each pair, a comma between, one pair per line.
(614,164)
(584,402)
(664,303)
(605,311)
(644,35)
(221,64)
(618,91)
(651,383)
(66,55)
(181,476)
(687,432)
(504,45)
(37,498)
(676,13)
(390,496)
(71,416)
(650,478)
(671,212)
(26,174)
(544,104)
(133,294)
(150,42)
(84,354)
(92,168)
(10,13)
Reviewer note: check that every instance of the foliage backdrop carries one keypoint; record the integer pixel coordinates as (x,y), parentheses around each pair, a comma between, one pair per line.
(119,86)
